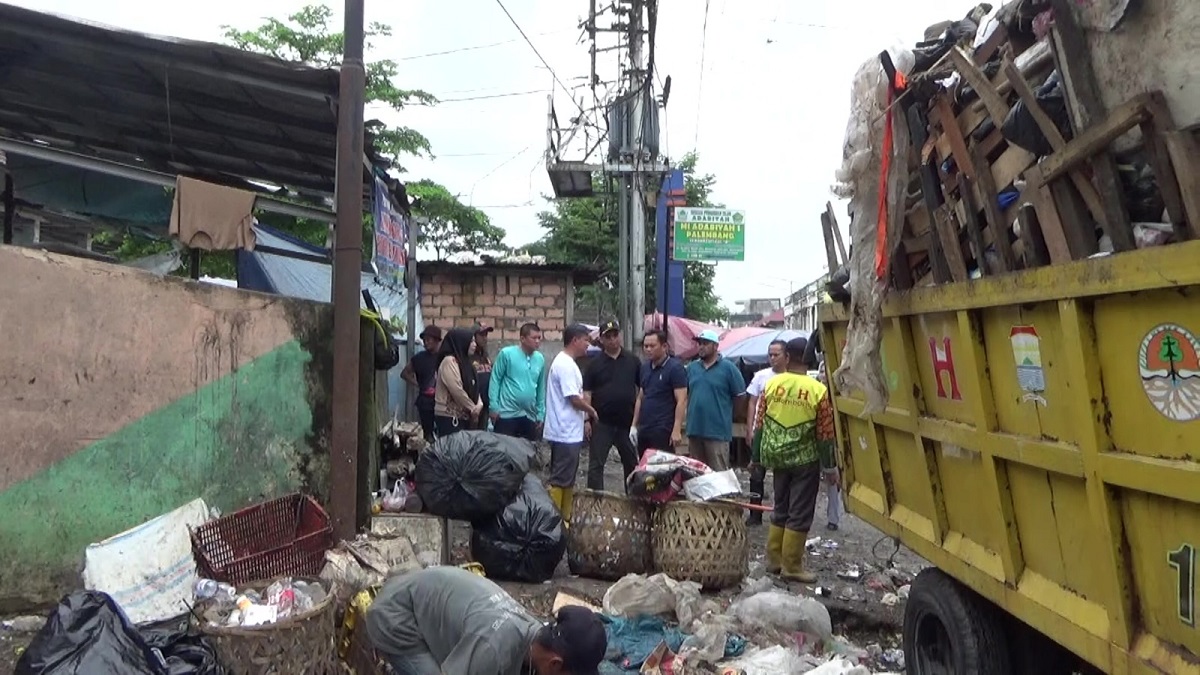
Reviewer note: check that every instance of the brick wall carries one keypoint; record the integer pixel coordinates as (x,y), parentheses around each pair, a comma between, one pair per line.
(501,297)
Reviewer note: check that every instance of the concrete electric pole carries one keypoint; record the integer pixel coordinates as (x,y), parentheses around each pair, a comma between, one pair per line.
(633,150)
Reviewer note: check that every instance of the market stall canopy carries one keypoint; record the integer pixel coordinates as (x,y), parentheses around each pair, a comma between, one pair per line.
(751,348)
(681,333)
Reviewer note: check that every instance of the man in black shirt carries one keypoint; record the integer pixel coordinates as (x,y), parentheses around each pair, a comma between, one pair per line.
(611,386)
(421,372)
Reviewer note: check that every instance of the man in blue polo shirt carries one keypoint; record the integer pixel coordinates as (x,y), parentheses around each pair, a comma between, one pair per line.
(713,384)
(662,397)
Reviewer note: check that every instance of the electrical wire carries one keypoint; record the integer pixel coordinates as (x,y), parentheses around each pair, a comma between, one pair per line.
(484,97)
(700,93)
(471,48)
(537,53)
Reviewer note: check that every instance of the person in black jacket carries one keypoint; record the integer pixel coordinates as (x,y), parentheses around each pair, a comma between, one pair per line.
(610,384)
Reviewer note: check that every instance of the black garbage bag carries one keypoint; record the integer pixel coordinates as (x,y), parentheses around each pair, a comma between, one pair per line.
(184,654)
(88,634)
(1019,127)
(472,475)
(525,541)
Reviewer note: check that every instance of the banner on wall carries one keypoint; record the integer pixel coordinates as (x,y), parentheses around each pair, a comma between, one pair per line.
(391,238)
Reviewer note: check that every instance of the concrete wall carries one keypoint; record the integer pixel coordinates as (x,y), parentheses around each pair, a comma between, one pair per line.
(503,297)
(124,395)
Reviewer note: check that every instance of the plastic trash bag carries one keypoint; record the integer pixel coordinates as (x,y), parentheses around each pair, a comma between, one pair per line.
(1020,129)
(785,613)
(185,654)
(525,541)
(472,475)
(87,634)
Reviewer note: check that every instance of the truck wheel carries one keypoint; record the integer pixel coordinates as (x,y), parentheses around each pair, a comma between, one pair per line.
(948,630)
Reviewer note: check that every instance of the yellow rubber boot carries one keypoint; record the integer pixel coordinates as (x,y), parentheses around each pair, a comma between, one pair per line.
(775,549)
(793,558)
(568,505)
(556,494)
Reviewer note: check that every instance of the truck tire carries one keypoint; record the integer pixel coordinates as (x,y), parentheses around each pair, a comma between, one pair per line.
(949,630)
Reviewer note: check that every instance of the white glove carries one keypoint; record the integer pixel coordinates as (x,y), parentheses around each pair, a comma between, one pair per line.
(633,435)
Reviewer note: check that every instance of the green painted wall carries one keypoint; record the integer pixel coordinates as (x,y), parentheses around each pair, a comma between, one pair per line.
(246,437)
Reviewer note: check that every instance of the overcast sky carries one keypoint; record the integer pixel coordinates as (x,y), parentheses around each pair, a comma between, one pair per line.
(767,113)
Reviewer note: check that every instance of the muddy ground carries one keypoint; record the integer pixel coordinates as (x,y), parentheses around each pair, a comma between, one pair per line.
(855,604)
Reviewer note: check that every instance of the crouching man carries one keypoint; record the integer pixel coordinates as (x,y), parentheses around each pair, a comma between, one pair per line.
(795,441)
(448,621)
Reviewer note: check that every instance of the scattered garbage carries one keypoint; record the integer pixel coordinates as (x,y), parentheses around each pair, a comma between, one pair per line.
(852,573)
(784,612)
(657,595)
(224,605)
(24,624)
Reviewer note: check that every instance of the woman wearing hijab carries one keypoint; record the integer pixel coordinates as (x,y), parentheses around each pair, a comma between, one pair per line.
(456,396)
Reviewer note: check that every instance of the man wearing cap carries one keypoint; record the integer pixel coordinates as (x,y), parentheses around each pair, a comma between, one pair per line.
(566,412)
(421,372)
(795,441)
(611,386)
(713,384)
(448,621)
(482,362)
(517,390)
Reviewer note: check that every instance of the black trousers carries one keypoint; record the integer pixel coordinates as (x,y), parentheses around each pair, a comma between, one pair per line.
(450,425)
(657,439)
(604,437)
(424,408)
(796,497)
(519,427)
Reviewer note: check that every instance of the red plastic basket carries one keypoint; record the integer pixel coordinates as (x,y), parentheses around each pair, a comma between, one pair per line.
(287,536)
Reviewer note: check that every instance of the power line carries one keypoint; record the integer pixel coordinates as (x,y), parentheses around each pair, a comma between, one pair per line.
(536,52)
(471,48)
(700,94)
(484,97)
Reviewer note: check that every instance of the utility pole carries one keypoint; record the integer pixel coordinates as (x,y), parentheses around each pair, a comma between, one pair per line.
(639,88)
(347,280)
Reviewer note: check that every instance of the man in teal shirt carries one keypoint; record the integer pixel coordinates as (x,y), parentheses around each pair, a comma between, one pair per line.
(713,384)
(517,391)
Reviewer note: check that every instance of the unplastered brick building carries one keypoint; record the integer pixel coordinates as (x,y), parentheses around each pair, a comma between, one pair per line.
(504,296)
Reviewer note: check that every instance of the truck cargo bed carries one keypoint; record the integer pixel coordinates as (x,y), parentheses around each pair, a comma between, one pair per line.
(1040,446)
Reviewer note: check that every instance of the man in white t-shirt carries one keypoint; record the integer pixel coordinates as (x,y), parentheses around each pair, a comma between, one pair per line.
(777,357)
(566,411)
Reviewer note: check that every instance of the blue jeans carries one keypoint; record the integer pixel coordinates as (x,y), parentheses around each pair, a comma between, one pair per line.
(414,664)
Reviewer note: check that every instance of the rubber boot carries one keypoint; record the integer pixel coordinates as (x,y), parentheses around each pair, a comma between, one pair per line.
(567,506)
(793,558)
(556,496)
(758,480)
(775,537)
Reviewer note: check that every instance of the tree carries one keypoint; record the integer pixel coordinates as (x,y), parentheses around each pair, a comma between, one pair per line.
(1170,352)
(583,231)
(451,226)
(306,36)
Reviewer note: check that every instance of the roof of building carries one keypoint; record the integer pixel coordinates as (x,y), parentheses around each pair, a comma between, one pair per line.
(166,105)
(580,274)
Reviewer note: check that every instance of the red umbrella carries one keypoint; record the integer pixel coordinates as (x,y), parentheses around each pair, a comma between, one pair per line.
(681,333)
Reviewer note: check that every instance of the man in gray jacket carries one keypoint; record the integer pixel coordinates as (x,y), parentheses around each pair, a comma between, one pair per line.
(448,621)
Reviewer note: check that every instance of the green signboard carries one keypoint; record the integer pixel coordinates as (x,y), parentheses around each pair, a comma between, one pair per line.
(708,235)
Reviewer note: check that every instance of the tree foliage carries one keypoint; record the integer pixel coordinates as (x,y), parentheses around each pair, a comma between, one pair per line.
(583,231)
(306,36)
(451,226)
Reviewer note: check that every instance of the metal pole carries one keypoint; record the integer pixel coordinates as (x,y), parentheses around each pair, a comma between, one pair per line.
(347,278)
(637,207)
(414,230)
(623,292)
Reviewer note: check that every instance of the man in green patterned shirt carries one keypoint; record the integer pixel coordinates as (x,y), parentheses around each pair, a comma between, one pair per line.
(795,441)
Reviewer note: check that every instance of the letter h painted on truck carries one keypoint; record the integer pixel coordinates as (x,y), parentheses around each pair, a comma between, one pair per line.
(943,362)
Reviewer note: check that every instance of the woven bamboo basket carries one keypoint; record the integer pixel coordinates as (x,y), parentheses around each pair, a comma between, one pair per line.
(304,644)
(609,536)
(701,542)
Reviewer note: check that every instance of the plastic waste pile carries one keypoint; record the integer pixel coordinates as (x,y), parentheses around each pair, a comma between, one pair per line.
(225,605)
(765,631)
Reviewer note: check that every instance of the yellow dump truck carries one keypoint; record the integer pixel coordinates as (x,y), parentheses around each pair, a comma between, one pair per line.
(1041,443)
(1040,448)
